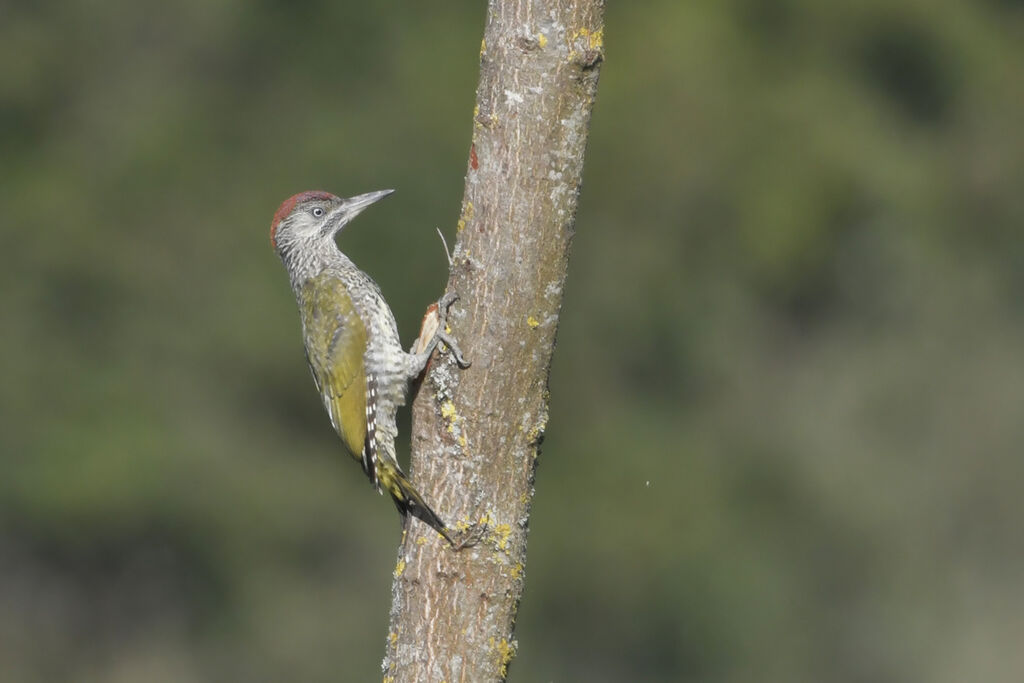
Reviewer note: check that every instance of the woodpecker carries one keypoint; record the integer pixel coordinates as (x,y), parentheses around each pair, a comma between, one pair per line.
(352,344)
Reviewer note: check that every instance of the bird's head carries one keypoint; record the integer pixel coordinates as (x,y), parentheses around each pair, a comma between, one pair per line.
(311,218)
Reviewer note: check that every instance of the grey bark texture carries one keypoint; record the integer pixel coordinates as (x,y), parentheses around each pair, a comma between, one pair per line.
(477,432)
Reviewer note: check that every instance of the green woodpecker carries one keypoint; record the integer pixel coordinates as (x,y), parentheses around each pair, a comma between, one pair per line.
(352,344)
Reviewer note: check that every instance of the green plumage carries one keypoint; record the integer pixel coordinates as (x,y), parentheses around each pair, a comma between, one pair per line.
(335,340)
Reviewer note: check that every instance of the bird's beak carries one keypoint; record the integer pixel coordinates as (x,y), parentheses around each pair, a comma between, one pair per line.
(353,206)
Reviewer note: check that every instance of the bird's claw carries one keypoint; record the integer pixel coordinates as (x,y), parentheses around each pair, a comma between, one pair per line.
(443,304)
(447,340)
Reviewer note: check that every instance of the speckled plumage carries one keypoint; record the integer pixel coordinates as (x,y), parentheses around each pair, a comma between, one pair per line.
(351,339)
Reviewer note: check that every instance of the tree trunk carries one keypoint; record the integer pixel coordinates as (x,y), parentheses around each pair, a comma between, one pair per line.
(477,432)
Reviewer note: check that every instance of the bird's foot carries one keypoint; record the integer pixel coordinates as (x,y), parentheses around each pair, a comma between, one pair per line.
(454,348)
(445,302)
(434,329)
(442,335)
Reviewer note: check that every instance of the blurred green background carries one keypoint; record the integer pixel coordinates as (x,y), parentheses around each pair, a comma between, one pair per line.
(786,420)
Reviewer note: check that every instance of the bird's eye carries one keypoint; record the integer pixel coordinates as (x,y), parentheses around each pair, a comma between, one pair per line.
(317,212)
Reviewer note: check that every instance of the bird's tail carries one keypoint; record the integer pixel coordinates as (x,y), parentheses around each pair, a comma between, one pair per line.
(407,499)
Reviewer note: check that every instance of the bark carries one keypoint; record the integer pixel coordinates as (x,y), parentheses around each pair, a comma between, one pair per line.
(477,432)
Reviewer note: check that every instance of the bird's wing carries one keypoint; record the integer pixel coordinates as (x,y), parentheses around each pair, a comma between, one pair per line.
(335,341)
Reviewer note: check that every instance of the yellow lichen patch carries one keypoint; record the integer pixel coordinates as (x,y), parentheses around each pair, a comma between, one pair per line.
(501,534)
(420,540)
(533,322)
(461,526)
(506,651)
(486,519)
(542,39)
(393,637)
(467,215)
(517,570)
(399,568)
(389,679)
(483,47)
(592,41)
(449,414)
(595,39)
(462,440)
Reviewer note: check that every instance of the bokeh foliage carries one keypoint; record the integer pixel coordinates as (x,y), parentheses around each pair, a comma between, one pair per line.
(786,426)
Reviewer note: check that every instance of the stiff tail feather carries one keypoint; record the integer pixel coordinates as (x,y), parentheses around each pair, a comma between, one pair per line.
(407,499)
